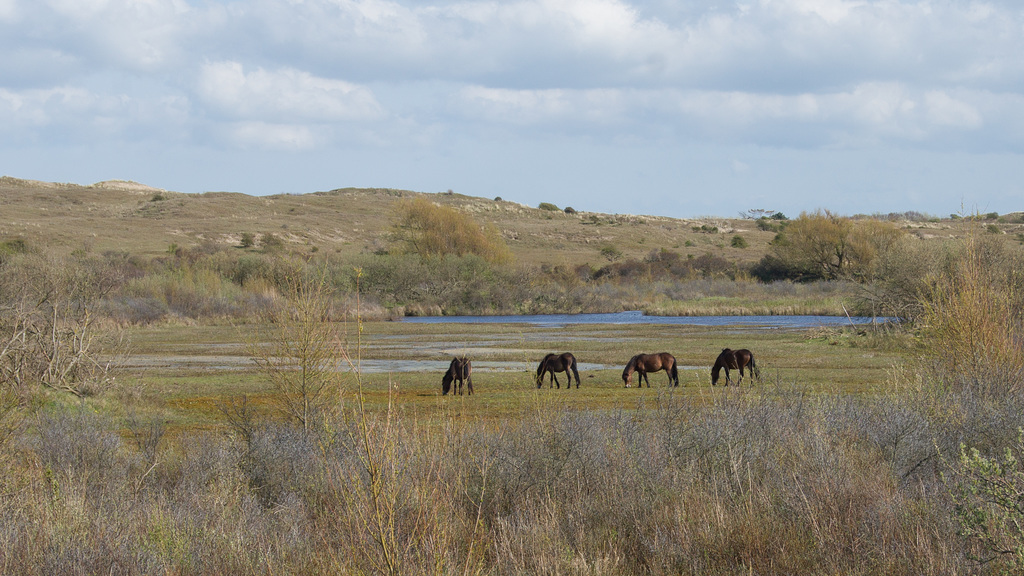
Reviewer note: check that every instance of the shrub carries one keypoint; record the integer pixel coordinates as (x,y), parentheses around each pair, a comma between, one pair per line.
(271,242)
(993,229)
(248,240)
(13,246)
(738,242)
(548,206)
(611,253)
(431,230)
(974,319)
(989,503)
(569,210)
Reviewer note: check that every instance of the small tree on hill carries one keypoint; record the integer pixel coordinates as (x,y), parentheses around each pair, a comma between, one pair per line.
(430,230)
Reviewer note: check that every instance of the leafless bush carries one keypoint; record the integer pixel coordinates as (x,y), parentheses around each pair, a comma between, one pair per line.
(146,434)
(773,480)
(49,333)
(305,358)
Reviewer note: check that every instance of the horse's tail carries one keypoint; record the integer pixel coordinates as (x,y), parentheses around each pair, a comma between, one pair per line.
(575,372)
(674,373)
(754,368)
(467,373)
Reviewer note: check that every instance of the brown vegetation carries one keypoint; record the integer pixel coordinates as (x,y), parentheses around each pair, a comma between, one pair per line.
(431,230)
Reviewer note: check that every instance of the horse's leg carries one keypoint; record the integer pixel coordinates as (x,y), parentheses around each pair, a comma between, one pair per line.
(554,377)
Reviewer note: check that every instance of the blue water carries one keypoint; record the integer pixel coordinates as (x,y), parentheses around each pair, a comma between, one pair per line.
(637,317)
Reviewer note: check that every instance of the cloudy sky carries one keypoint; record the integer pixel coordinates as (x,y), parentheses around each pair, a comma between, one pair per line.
(669,107)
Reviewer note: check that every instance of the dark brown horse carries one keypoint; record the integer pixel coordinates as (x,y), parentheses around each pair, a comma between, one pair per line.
(458,371)
(558,363)
(734,360)
(644,363)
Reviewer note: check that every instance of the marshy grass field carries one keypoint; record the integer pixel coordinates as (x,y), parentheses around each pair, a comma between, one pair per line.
(185,371)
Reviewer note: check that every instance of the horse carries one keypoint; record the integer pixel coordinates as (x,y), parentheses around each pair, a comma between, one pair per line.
(558,363)
(458,371)
(644,363)
(735,360)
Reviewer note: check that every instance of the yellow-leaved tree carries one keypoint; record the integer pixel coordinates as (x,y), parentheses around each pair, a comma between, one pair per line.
(825,245)
(430,230)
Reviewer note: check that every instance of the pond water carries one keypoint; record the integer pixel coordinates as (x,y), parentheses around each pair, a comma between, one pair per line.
(502,342)
(637,317)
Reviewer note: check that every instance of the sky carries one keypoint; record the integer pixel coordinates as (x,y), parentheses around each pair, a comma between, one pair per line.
(672,108)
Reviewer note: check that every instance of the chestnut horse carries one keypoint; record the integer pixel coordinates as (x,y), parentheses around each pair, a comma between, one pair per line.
(735,360)
(558,363)
(458,371)
(644,363)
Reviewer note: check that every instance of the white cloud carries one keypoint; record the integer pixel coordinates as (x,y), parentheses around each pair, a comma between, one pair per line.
(8,9)
(831,11)
(283,94)
(137,34)
(740,167)
(74,114)
(273,136)
(945,110)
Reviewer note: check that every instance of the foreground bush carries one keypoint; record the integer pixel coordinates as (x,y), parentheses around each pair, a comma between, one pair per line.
(764,483)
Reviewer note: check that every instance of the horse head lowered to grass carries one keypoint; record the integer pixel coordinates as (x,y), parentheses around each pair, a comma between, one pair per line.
(460,370)
(644,363)
(558,363)
(734,360)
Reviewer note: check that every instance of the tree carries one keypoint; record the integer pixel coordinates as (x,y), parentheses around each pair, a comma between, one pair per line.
(303,357)
(824,245)
(431,230)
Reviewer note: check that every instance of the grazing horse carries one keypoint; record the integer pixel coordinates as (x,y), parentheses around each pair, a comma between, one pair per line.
(458,371)
(644,363)
(558,363)
(735,360)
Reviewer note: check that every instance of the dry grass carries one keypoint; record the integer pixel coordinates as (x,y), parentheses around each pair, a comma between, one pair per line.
(346,222)
(765,483)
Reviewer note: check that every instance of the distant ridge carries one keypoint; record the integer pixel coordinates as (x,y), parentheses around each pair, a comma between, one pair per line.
(127,185)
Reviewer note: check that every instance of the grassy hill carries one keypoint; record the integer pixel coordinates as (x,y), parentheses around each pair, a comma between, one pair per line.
(125,216)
